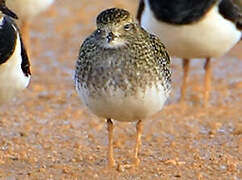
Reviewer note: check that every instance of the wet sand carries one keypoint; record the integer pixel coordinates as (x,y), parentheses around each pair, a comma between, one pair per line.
(46,133)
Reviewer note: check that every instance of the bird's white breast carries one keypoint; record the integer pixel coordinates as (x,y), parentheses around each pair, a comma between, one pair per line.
(116,105)
(212,36)
(28,8)
(12,78)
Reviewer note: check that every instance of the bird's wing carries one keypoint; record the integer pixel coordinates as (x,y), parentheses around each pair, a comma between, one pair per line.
(162,56)
(25,65)
(8,37)
(238,3)
(25,59)
(178,12)
(140,10)
(232,11)
(81,63)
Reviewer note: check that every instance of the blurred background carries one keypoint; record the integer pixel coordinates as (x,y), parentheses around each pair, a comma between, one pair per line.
(46,133)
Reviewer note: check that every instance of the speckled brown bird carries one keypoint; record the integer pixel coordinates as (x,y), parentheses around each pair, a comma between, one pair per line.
(122,73)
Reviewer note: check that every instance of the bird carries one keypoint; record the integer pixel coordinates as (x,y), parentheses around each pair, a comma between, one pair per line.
(122,73)
(193,29)
(14,63)
(27,10)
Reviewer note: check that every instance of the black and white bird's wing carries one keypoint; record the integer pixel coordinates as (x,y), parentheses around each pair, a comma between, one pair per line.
(25,65)
(140,10)
(232,11)
(8,36)
(238,4)
(178,12)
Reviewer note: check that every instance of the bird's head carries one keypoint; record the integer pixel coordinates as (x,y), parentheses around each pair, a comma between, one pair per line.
(6,11)
(115,26)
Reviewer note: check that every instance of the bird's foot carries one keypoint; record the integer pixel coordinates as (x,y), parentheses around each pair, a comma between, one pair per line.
(111,163)
(123,167)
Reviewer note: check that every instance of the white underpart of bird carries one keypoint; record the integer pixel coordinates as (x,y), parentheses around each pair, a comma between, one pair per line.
(140,106)
(12,78)
(212,36)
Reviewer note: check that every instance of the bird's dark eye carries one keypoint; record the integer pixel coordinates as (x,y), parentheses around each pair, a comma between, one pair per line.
(99,31)
(128,27)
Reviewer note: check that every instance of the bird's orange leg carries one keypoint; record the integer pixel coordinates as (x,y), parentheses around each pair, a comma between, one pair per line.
(186,63)
(110,143)
(139,129)
(207,81)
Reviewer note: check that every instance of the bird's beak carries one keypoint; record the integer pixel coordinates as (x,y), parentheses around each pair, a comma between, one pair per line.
(8,12)
(110,37)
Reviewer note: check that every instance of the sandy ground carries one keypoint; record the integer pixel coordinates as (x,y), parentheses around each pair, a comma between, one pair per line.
(46,133)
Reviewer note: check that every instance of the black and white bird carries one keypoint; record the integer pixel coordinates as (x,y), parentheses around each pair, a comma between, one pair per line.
(193,29)
(27,10)
(14,63)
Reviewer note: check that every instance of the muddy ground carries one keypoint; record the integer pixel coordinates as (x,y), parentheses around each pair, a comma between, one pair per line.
(46,133)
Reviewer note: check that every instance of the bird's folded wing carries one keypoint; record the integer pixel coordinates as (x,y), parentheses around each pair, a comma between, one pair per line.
(7,40)
(232,10)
